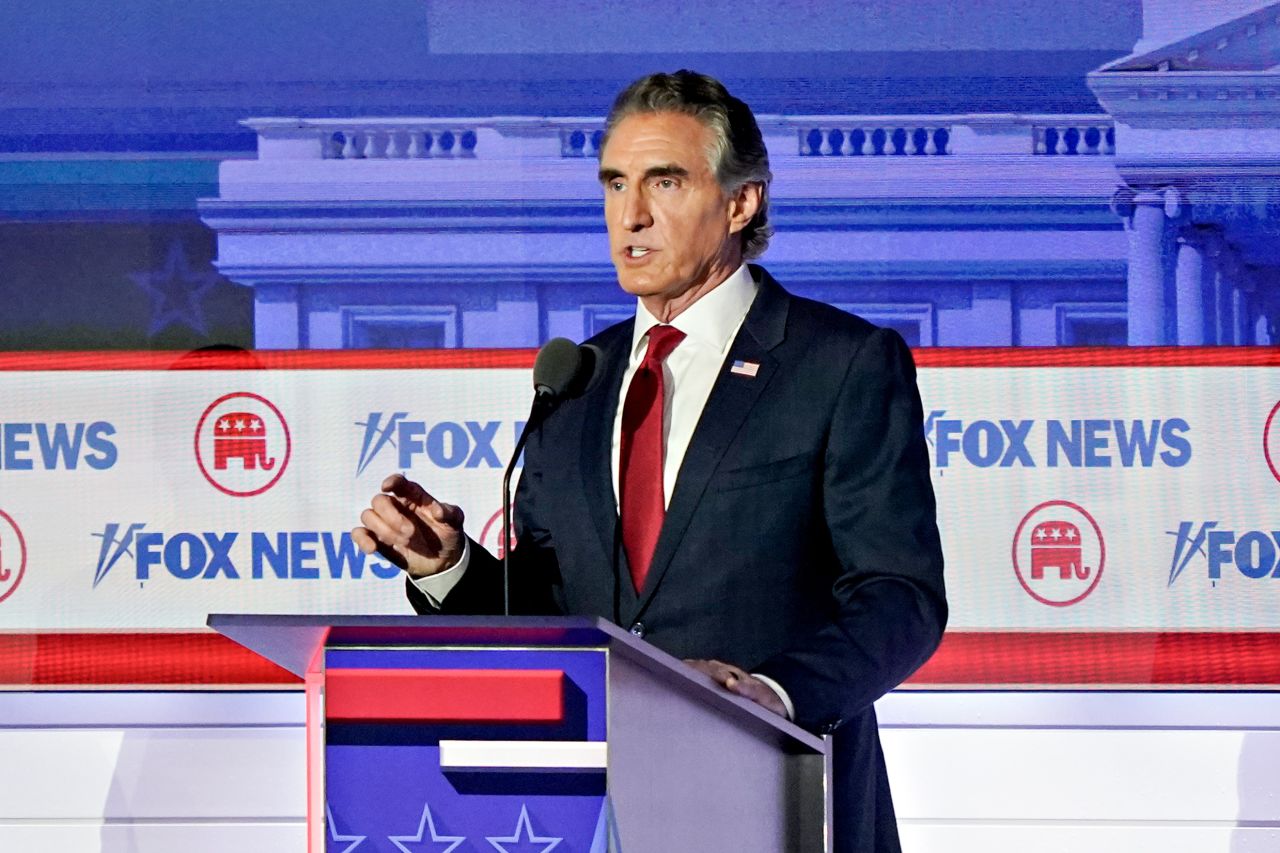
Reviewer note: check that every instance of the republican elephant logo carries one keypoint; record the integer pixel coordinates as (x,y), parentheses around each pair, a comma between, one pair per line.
(1058,553)
(241,435)
(242,444)
(1055,547)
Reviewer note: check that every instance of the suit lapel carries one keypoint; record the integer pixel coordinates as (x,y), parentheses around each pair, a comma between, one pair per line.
(730,402)
(595,463)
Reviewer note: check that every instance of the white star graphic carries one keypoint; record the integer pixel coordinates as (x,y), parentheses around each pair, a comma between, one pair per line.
(224,424)
(255,425)
(356,840)
(1071,535)
(498,842)
(176,292)
(239,426)
(1055,534)
(427,822)
(1040,534)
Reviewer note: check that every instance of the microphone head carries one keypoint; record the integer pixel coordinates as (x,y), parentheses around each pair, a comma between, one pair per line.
(556,367)
(588,370)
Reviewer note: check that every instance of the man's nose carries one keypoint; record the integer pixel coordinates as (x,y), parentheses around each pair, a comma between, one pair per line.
(635,212)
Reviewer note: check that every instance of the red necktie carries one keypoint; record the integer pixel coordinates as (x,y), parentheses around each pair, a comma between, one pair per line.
(640,458)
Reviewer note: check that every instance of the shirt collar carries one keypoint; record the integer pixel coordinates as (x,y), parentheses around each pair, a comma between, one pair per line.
(712,320)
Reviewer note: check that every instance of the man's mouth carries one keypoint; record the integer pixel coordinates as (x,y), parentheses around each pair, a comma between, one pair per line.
(637,251)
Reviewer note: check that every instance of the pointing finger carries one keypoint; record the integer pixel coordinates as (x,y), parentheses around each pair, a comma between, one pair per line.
(402,487)
(443,517)
(447,514)
(382,531)
(364,540)
(369,544)
(394,515)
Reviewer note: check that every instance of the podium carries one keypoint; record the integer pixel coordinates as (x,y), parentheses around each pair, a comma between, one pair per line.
(533,733)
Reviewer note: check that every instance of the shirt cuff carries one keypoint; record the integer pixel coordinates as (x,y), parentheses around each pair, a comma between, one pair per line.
(436,587)
(782,694)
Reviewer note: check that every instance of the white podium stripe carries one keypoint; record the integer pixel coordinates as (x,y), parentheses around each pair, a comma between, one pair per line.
(522,755)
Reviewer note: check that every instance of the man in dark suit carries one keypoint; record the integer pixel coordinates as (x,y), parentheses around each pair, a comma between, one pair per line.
(746,485)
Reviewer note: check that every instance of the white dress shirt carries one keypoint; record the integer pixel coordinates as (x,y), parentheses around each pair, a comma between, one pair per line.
(710,325)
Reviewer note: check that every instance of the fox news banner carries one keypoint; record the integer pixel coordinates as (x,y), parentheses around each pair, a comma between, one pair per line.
(1082,491)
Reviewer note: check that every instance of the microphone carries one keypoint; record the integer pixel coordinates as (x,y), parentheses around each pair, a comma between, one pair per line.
(562,370)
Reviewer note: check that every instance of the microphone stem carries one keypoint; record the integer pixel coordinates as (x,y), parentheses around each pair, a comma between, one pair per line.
(541,406)
(505,533)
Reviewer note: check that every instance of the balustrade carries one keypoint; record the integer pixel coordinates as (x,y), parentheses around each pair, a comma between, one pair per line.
(580,141)
(373,142)
(938,135)
(1093,137)
(874,140)
(580,138)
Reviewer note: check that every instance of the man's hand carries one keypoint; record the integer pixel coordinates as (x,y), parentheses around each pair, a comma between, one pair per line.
(411,529)
(742,683)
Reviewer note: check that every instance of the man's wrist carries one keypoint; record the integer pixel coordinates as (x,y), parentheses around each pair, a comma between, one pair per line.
(436,587)
(778,689)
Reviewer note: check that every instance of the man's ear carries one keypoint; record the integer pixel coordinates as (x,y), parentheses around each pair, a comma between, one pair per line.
(743,205)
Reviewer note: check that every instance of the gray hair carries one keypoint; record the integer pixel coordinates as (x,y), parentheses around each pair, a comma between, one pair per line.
(738,156)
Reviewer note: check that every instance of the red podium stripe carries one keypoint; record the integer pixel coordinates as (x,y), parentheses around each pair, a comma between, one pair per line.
(1099,660)
(445,695)
(105,659)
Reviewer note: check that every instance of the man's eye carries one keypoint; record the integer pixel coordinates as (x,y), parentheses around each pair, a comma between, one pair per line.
(666,183)
(616,186)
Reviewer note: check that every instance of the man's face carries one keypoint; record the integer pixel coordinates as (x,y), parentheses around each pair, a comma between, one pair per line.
(673,233)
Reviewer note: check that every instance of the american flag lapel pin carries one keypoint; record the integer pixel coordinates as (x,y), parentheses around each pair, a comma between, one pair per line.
(745,368)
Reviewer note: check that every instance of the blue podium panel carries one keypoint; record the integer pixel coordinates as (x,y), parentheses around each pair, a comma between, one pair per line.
(503,768)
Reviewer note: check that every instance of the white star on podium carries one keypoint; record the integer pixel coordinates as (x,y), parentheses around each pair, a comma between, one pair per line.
(499,842)
(356,840)
(427,822)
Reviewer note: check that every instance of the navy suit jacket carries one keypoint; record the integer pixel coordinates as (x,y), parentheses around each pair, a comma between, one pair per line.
(800,541)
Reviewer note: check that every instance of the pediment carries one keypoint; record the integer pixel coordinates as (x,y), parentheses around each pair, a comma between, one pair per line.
(1249,42)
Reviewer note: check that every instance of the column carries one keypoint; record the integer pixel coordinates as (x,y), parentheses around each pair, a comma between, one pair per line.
(1146,270)
(1266,308)
(1189,288)
(1224,268)
(1241,321)
(1235,285)
(277,319)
